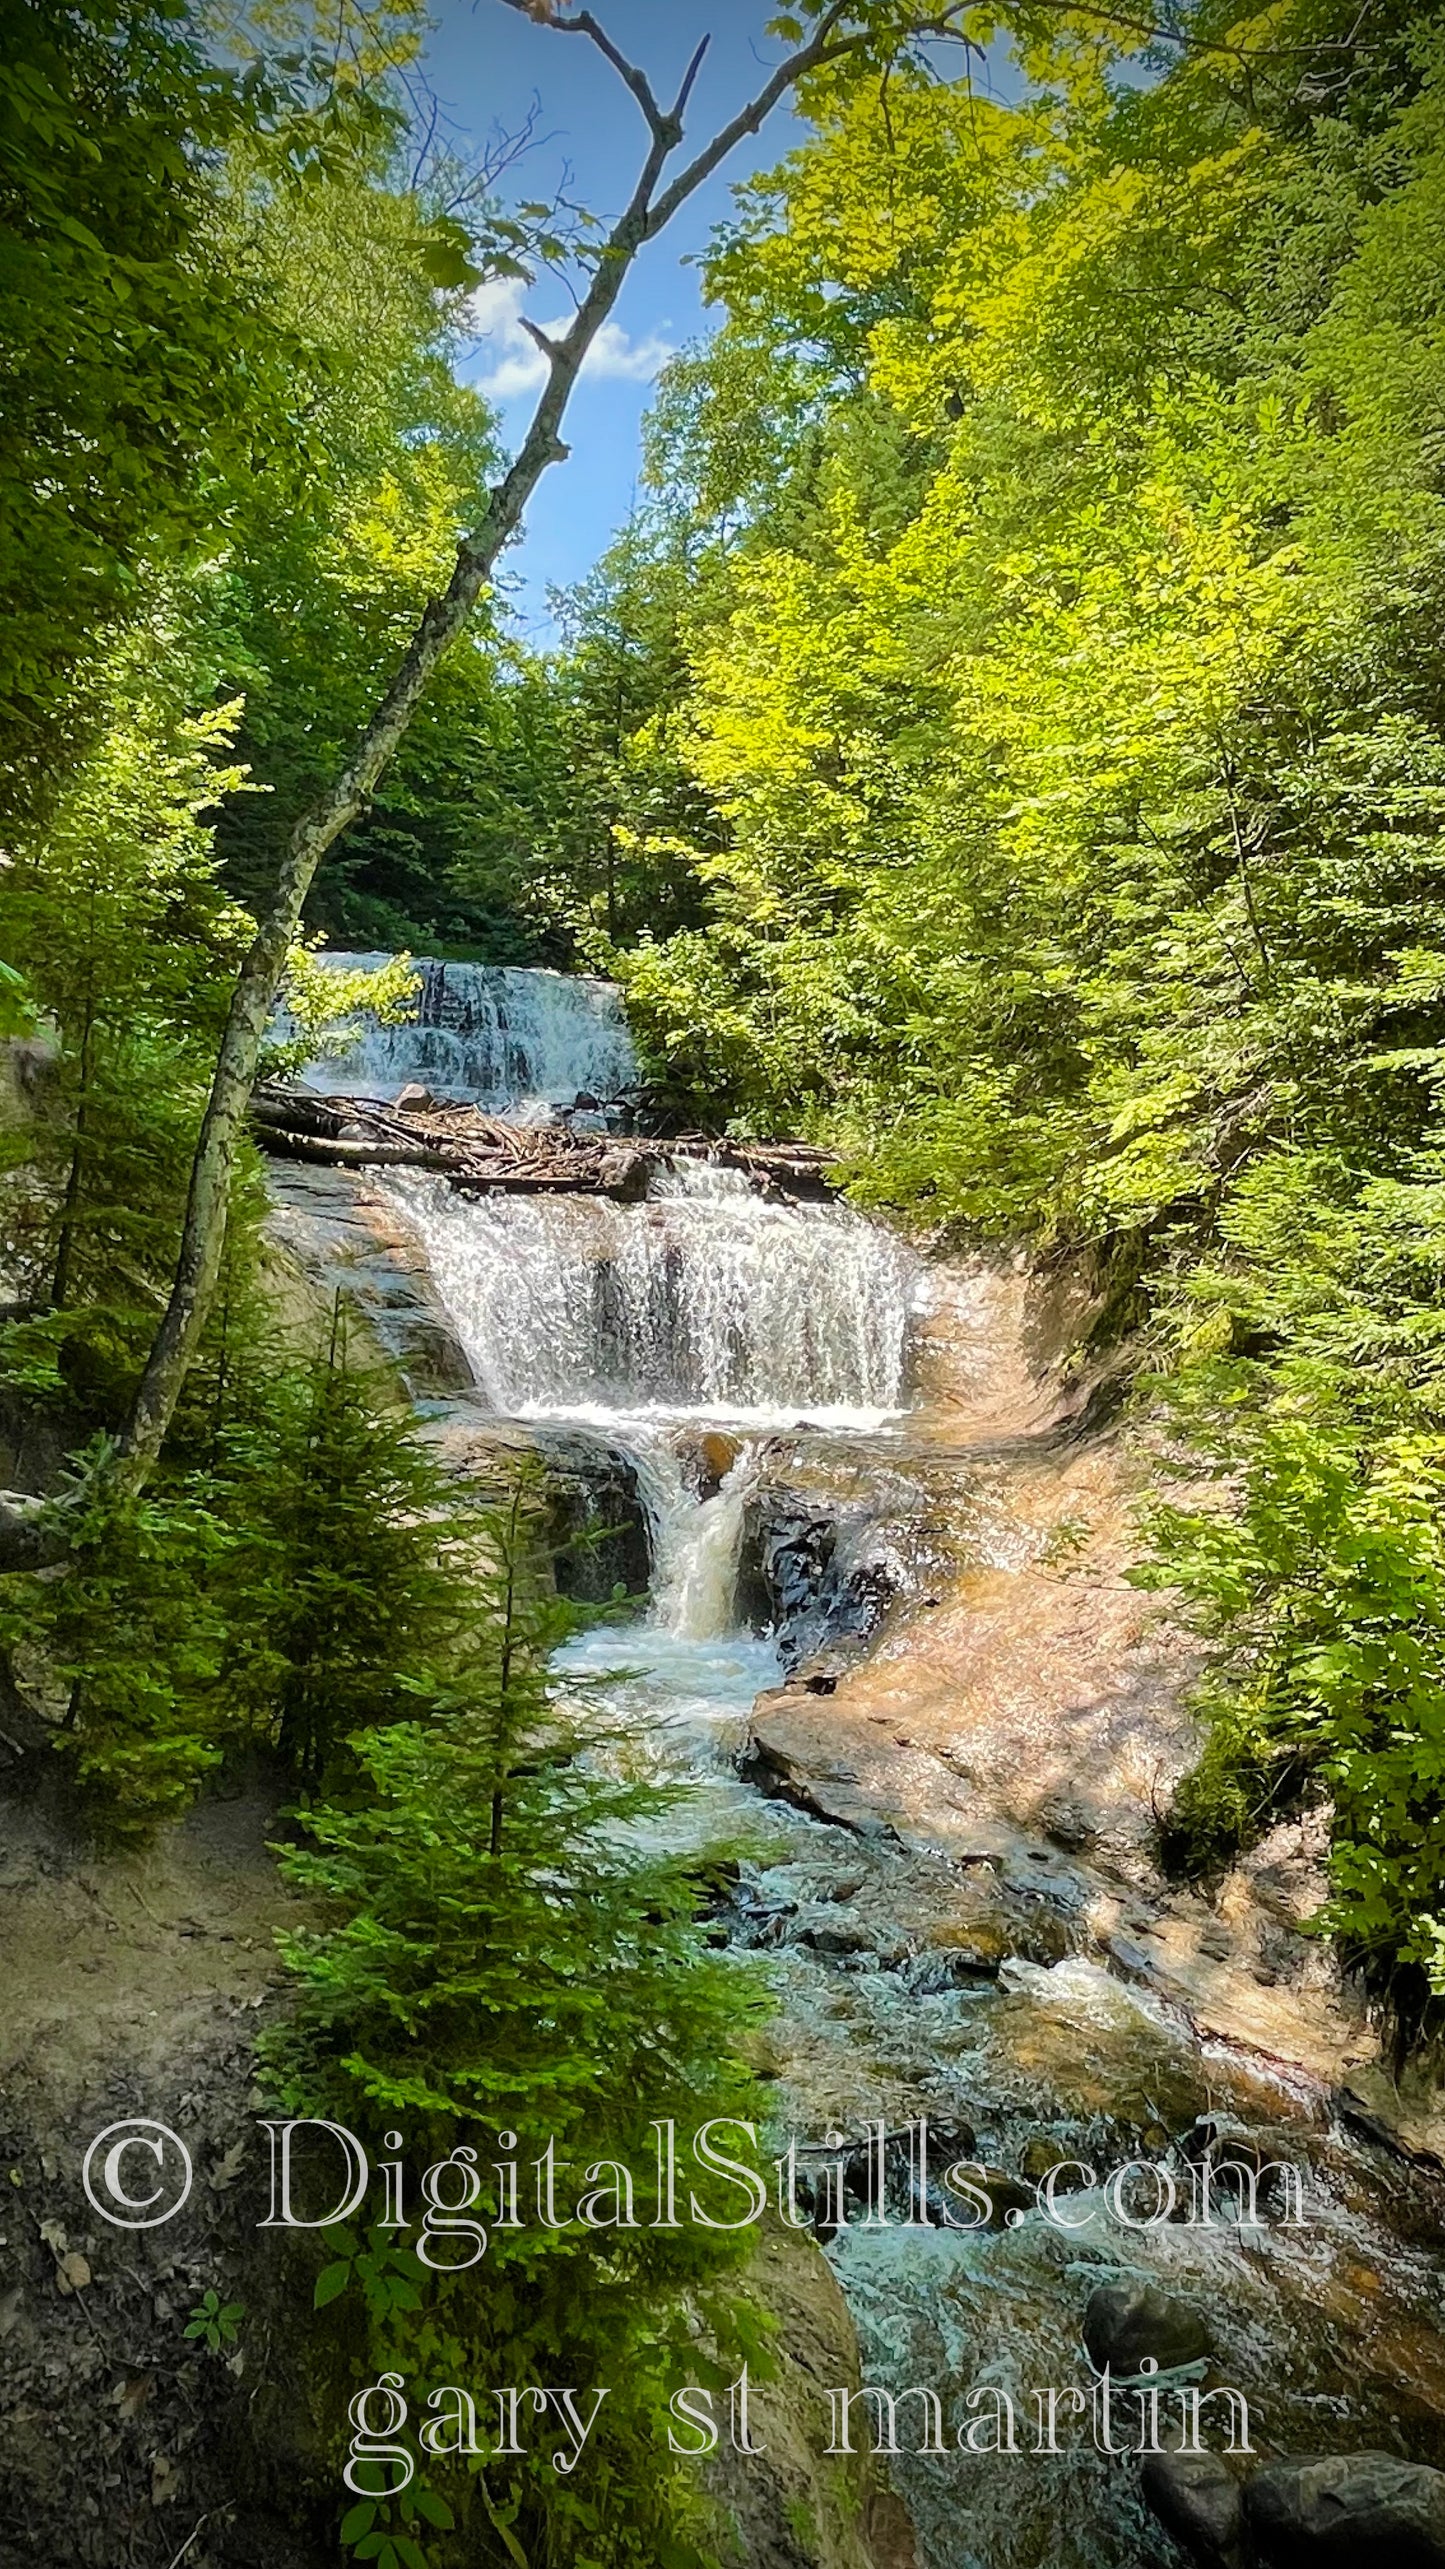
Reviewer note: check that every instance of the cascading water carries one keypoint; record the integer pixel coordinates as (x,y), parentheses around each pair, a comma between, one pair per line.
(705,1306)
(696,1580)
(704,1302)
(700,1330)
(518,1042)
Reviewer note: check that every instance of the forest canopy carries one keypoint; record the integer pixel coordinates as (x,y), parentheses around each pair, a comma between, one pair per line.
(1059,764)
(1005,747)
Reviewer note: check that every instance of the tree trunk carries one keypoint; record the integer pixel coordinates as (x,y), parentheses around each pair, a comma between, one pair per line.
(70,1209)
(443,622)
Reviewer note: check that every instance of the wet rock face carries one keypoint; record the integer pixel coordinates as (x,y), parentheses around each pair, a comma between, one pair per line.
(598,1524)
(1346,2510)
(1196,2498)
(1125,2323)
(1328,2511)
(807,1577)
(342,1234)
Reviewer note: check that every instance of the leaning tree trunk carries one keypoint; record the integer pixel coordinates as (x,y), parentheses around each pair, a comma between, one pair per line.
(445,619)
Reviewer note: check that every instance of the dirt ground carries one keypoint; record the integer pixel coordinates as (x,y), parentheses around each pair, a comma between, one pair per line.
(133,1988)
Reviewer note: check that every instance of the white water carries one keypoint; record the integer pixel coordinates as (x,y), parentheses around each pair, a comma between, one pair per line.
(703,1303)
(515,1042)
(706,1307)
(696,1544)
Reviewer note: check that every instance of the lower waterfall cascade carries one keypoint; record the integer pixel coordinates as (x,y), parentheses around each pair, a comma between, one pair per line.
(705,1301)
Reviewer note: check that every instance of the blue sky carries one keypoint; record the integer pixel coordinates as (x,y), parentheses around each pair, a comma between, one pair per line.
(487,66)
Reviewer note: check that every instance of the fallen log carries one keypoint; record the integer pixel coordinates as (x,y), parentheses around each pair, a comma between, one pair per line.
(292,1114)
(482,1154)
(351,1155)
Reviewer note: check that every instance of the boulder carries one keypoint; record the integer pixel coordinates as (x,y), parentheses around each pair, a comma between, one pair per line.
(1196,2498)
(1065,1818)
(1347,2510)
(413,1099)
(1009,2197)
(1126,2322)
(623,1174)
(717,1453)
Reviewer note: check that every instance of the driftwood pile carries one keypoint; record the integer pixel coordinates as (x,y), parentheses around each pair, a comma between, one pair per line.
(479,1153)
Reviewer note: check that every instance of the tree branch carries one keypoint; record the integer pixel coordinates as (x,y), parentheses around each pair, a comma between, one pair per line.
(539,339)
(689,77)
(819,51)
(584,24)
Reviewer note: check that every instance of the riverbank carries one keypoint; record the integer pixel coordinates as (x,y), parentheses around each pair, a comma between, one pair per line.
(961,1757)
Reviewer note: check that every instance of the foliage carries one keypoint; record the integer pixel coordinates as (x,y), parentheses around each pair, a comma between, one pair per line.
(501,1952)
(127,1650)
(1322,1584)
(323,578)
(215,2322)
(127,943)
(1061,767)
(343,1562)
(135,369)
(323,1003)
(286,1579)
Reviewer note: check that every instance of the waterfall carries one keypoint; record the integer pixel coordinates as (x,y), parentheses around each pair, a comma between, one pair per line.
(704,1305)
(705,1302)
(517,1042)
(696,1542)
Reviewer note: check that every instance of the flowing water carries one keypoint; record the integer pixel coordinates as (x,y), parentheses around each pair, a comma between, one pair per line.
(519,1043)
(704,1303)
(717,1338)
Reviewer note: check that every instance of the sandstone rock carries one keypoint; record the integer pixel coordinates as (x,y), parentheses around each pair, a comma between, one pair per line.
(1347,2510)
(623,1174)
(717,1453)
(1126,2322)
(977,1946)
(1196,2498)
(1064,1818)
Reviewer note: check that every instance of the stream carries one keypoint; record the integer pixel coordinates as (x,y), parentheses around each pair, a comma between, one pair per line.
(740,1352)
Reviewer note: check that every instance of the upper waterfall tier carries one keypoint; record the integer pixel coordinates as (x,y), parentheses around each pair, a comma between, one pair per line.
(707,1299)
(510,1040)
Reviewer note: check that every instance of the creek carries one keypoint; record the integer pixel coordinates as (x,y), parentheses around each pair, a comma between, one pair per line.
(756,1362)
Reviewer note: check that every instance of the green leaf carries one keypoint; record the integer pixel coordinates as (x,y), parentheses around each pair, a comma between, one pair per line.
(435,2510)
(331,2281)
(500,2525)
(357,2521)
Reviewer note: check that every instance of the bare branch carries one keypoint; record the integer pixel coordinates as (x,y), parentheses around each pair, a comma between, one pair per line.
(539,339)
(819,50)
(501,155)
(689,78)
(584,24)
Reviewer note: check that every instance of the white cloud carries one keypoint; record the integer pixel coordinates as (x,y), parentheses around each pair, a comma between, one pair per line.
(516,366)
